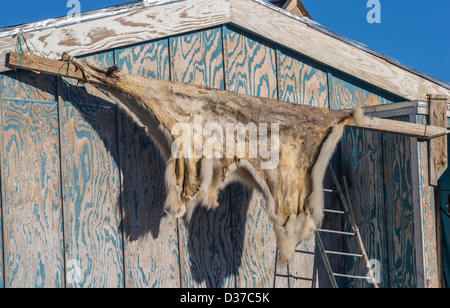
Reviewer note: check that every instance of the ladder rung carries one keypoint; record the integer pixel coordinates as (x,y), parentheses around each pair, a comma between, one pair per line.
(336,232)
(344,254)
(329,190)
(334,211)
(349,276)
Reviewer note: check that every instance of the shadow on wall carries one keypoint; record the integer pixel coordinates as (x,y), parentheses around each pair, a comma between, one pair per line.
(210,248)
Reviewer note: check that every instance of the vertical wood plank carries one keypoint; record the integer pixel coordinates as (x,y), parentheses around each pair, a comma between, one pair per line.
(366,183)
(150,238)
(250,64)
(92,210)
(366,178)
(28,85)
(399,210)
(250,68)
(2,271)
(301,80)
(437,107)
(197,58)
(206,245)
(427,209)
(32,208)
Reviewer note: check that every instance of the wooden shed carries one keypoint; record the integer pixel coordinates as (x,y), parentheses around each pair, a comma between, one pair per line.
(82,188)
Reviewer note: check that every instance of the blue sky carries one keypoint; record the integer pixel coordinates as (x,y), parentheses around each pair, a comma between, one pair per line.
(415,32)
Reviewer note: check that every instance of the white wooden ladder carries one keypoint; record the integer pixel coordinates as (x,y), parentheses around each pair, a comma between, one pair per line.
(348,211)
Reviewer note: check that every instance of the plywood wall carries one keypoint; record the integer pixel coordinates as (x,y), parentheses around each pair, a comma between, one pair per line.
(83,189)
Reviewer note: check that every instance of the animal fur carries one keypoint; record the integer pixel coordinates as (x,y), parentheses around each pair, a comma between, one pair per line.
(293,191)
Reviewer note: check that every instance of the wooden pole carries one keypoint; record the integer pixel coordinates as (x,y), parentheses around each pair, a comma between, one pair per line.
(438,160)
(68,70)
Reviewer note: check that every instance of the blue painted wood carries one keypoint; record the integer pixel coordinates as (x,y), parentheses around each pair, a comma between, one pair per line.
(92,209)
(301,80)
(428,214)
(250,68)
(367,177)
(32,209)
(147,59)
(347,92)
(2,271)
(87,95)
(197,58)
(206,245)
(398,181)
(366,183)
(150,238)
(250,64)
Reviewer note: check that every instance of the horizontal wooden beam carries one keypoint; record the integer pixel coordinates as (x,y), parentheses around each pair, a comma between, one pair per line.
(61,68)
(43,65)
(420,131)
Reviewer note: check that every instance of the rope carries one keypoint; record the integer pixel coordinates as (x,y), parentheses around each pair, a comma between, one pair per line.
(20,49)
(68,63)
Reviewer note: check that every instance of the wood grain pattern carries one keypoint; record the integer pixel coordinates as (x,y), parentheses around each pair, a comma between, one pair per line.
(206,247)
(92,209)
(250,68)
(206,250)
(146,59)
(125,29)
(399,210)
(347,93)
(250,64)
(301,80)
(331,51)
(32,221)
(150,238)
(428,216)
(255,246)
(303,270)
(198,57)
(2,271)
(367,193)
(87,95)
(437,107)
(28,85)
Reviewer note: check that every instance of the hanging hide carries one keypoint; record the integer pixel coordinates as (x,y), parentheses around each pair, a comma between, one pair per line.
(303,139)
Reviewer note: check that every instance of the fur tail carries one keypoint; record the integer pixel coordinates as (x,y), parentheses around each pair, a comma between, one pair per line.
(301,227)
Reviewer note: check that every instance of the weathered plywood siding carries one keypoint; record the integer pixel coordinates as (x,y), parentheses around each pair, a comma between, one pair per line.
(92,210)
(301,80)
(427,215)
(381,189)
(102,206)
(150,238)
(250,68)
(397,165)
(31,186)
(206,245)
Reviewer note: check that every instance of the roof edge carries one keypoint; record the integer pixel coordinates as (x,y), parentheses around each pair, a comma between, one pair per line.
(129,24)
(315,25)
